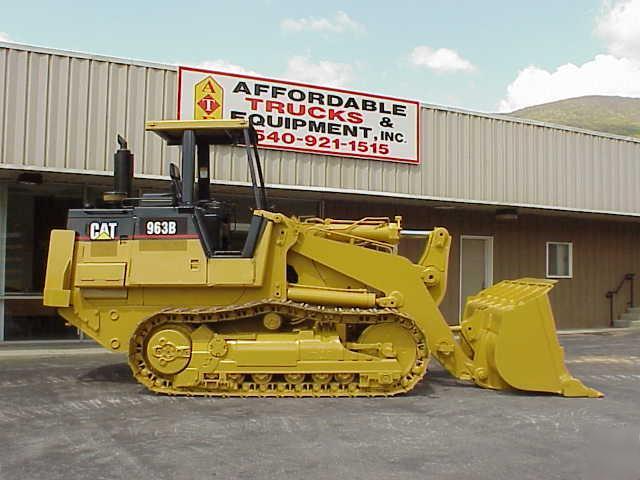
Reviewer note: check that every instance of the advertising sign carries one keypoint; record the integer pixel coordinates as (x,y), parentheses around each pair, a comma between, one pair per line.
(305,118)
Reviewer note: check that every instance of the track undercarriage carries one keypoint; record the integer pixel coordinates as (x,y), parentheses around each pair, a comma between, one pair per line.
(278,348)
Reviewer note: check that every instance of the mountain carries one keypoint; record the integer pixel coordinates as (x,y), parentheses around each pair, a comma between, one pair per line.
(617,115)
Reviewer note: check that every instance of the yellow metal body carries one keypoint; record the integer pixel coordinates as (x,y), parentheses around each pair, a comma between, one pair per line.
(358,319)
(215,131)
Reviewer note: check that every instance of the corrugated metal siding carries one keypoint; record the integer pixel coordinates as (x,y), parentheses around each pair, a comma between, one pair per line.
(61,111)
(478,159)
(64,112)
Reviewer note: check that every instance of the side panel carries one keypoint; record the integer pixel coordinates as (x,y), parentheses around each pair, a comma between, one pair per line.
(100,274)
(167,262)
(231,271)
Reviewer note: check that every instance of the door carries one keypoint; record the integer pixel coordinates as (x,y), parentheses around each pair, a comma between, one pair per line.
(30,213)
(476,265)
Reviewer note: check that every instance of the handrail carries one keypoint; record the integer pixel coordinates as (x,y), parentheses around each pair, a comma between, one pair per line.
(612,293)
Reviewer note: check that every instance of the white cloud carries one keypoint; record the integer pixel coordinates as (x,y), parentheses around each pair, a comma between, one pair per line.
(323,72)
(4,37)
(616,73)
(339,24)
(224,66)
(619,26)
(301,68)
(604,75)
(440,60)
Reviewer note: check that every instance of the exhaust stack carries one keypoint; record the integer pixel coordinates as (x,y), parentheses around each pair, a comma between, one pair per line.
(122,174)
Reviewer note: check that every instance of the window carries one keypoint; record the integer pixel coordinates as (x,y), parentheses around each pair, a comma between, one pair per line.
(559,260)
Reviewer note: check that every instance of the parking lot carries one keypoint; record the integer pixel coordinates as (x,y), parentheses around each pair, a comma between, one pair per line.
(76,413)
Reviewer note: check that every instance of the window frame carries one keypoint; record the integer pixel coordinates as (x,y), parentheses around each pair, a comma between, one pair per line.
(570,245)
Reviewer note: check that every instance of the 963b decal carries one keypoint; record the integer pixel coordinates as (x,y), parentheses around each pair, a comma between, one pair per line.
(160,227)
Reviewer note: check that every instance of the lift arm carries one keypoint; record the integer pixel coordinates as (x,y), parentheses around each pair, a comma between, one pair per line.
(507,337)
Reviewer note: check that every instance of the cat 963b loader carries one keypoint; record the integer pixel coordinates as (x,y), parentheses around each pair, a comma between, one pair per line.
(306,307)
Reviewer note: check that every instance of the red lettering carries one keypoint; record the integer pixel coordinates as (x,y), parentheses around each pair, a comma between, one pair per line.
(291,109)
(272,105)
(336,115)
(355,117)
(312,113)
(209,88)
(254,102)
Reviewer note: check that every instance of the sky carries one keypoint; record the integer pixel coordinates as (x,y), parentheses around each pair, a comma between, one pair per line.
(489,55)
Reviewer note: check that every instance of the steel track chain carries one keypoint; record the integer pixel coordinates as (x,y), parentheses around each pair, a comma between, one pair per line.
(320,315)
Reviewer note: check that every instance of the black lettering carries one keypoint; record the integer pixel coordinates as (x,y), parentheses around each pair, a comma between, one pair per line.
(351,103)
(260,88)
(399,110)
(277,91)
(369,105)
(241,87)
(365,131)
(237,114)
(334,128)
(275,122)
(383,109)
(334,100)
(257,120)
(316,97)
(350,130)
(391,136)
(317,127)
(298,123)
(296,95)
(386,136)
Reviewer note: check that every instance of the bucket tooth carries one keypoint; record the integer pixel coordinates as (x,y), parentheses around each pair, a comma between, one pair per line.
(510,331)
(572,387)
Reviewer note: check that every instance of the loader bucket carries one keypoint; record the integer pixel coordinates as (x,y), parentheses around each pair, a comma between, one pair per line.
(509,331)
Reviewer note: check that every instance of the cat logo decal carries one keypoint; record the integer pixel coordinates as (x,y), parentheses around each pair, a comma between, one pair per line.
(103,230)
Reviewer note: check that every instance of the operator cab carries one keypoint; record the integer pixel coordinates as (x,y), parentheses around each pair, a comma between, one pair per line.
(184,212)
(211,216)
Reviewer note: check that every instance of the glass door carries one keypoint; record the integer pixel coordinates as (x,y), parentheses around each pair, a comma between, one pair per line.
(30,213)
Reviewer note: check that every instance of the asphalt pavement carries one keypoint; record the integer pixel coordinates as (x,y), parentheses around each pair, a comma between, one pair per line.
(78,414)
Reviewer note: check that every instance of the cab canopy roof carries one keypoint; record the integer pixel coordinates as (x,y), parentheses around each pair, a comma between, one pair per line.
(212,132)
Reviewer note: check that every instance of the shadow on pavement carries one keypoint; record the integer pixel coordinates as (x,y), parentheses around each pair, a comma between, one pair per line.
(114,373)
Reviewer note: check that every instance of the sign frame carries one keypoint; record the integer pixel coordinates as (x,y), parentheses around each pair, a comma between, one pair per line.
(311,150)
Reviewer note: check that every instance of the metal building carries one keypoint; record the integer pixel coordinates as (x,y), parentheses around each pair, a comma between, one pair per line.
(521,198)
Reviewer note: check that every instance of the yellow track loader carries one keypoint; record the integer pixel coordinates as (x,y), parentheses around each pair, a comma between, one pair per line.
(307,307)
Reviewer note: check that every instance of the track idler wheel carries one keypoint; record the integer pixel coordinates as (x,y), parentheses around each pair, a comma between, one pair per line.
(168,350)
(404,344)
